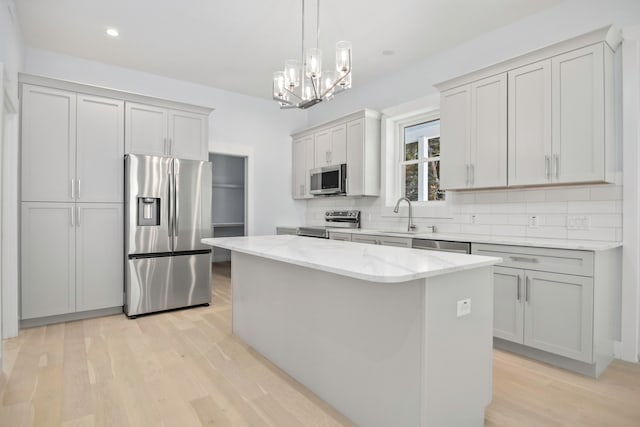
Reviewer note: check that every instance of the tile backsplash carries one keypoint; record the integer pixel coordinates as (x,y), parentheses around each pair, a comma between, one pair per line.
(586,212)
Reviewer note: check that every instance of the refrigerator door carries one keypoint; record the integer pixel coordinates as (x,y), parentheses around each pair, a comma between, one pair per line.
(192,204)
(147,195)
(167,282)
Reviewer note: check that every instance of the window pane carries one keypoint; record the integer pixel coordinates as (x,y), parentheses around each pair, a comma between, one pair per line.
(418,135)
(434,146)
(411,150)
(411,180)
(433,183)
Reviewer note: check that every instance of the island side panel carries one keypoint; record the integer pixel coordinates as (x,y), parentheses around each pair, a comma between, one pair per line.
(356,344)
(458,350)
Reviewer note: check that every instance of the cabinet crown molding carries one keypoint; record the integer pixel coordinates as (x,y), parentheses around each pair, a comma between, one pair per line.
(110,93)
(366,113)
(610,35)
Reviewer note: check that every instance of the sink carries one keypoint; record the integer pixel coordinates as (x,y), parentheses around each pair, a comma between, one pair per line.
(403,232)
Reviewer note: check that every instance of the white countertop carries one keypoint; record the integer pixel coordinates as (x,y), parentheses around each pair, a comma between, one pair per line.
(374,263)
(585,245)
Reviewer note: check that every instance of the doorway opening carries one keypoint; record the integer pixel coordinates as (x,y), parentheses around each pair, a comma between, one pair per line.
(228,200)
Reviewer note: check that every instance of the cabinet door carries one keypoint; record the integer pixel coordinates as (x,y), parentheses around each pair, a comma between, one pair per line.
(362,238)
(488,146)
(322,148)
(400,242)
(578,115)
(338,153)
(48,144)
(302,162)
(530,124)
(188,135)
(559,314)
(455,131)
(99,256)
(100,165)
(355,157)
(146,130)
(48,259)
(508,304)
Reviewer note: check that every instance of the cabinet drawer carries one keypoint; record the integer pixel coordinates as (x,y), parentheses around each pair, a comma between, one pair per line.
(340,236)
(541,259)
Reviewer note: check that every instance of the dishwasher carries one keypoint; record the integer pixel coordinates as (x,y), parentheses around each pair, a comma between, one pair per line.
(441,245)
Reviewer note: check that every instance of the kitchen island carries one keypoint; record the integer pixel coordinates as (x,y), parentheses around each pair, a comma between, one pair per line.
(374,331)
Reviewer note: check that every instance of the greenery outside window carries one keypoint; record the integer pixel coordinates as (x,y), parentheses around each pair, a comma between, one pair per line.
(420,159)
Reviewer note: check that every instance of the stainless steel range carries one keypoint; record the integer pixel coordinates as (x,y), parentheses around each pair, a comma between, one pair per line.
(332,219)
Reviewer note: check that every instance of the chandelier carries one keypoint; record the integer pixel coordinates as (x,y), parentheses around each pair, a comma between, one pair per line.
(304,83)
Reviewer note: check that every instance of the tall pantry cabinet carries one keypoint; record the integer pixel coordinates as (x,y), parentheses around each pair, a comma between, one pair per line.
(72,202)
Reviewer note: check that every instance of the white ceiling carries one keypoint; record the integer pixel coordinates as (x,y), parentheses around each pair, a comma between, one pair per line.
(237,44)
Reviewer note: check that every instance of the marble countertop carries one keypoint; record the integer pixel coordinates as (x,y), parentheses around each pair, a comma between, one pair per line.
(385,264)
(585,245)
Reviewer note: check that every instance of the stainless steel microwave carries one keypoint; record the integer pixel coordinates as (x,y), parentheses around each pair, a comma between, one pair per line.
(329,180)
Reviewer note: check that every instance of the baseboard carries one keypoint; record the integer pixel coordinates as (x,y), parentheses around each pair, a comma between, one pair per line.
(49,320)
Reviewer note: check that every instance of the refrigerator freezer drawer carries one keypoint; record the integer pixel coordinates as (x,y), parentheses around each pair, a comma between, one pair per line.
(166,282)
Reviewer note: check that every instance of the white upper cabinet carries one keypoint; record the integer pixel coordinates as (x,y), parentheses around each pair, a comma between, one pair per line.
(530,124)
(353,139)
(578,121)
(302,162)
(331,146)
(559,118)
(78,140)
(48,144)
(160,131)
(473,123)
(146,129)
(100,149)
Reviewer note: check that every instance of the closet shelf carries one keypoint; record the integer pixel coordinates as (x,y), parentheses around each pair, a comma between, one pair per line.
(238,186)
(228,224)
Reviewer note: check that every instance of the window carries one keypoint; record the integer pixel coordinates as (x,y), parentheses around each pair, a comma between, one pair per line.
(420,159)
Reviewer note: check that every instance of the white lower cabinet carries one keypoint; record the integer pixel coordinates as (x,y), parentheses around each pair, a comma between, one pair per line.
(72,258)
(401,242)
(547,311)
(560,301)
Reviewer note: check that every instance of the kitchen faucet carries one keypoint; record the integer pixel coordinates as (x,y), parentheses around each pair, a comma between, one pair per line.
(410,226)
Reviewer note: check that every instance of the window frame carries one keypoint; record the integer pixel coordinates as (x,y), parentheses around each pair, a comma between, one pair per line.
(399,124)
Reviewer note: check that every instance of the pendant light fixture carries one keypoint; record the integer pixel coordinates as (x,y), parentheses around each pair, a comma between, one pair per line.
(304,83)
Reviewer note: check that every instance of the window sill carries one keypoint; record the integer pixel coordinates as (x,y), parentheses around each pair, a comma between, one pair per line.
(436,210)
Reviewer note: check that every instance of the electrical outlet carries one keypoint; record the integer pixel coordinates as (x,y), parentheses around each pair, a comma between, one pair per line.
(464,307)
(533,221)
(474,218)
(576,222)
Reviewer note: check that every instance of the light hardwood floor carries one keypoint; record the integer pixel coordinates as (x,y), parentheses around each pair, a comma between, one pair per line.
(184,368)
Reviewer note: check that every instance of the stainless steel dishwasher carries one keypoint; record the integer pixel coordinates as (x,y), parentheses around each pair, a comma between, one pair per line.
(442,245)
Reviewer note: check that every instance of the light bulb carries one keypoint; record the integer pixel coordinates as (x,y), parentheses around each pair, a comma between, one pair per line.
(327,83)
(292,73)
(343,57)
(278,85)
(313,62)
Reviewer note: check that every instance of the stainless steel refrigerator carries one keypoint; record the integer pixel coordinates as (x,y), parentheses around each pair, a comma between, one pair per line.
(168,211)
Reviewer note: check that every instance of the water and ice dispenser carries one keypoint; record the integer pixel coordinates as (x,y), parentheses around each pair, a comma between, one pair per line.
(148,211)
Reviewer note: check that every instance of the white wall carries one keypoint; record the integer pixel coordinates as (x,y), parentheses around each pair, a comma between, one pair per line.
(11,62)
(237,120)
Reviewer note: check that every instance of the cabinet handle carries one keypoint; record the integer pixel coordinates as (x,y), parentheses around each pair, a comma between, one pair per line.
(524,259)
(78,217)
(170,150)
(466,174)
(526,290)
(556,159)
(73,217)
(518,289)
(472,173)
(73,189)
(79,187)
(164,146)
(547,167)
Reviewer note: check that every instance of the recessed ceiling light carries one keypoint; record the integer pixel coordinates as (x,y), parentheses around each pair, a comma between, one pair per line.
(112,32)
(388,52)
